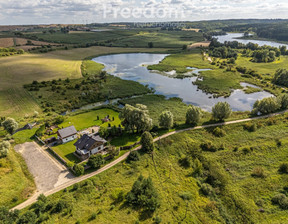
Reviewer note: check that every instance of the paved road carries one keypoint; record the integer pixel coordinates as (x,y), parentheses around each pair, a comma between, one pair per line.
(123,157)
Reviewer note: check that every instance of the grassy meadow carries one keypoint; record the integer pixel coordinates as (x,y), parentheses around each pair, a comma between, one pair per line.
(16,183)
(222,185)
(16,71)
(263,68)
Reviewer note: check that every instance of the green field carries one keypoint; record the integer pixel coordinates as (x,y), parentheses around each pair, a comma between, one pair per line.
(125,38)
(180,62)
(16,183)
(232,194)
(263,68)
(23,69)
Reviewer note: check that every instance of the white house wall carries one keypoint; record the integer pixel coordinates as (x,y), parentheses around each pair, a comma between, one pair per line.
(71,138)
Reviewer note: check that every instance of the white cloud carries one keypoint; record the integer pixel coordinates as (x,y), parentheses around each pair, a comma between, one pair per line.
(78,11)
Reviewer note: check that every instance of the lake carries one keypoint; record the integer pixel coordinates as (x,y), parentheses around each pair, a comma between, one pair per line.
(133,67)
(234,36)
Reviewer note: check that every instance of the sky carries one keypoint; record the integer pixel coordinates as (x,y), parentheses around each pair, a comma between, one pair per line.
(19,12)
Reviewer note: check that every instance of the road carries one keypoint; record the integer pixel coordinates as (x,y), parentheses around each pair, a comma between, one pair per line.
(123,157)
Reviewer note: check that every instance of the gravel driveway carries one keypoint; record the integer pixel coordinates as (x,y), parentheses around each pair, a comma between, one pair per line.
(48,173)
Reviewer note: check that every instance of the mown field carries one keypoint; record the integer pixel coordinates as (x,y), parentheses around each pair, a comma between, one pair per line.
(19,70)
(223,186)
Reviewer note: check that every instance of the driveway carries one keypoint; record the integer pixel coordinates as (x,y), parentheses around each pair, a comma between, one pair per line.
(48,173)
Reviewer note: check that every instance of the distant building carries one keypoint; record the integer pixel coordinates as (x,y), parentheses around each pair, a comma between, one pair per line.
(89,145)
(67,134)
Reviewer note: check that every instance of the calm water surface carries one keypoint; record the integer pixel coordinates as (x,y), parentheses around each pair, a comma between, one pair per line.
(233,36)
(133,67)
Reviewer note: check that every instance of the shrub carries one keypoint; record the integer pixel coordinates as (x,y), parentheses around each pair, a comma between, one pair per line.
(281,200)
(221,111)
(206,189)
(252,127)
(96,161)
(147,142)
(208,146)
(78,169)
(218,132)
(266,106)
(133,156)
(283,168)
(185,162)
(258,172)
(4,148)
(166,120)
(193,115)
(143,194)
(10,125)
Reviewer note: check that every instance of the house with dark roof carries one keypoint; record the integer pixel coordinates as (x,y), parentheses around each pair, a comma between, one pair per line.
(89,145)
(67,134)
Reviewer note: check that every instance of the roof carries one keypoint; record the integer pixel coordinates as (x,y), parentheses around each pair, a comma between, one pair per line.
(86,141)
(66,132)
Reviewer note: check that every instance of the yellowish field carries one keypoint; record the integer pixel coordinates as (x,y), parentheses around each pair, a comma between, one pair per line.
(23,69)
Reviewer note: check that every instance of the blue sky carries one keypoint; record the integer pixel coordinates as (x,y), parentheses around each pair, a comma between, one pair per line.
(88,11)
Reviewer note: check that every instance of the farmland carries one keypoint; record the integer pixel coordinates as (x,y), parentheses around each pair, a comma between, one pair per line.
(124,38)
(16,71)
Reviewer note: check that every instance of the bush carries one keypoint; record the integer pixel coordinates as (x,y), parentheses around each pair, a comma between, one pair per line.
(185,162)
(218,132)
(252,127)
(208,146)
(147,142)
(258,172)
(166,120)
(143,194)
(10,125)
(281,200)
(221,111)
(193,115)
(78,169)
(4,148)
(96,161)
(283,168)
(266,106)
(206,189)
(133,156)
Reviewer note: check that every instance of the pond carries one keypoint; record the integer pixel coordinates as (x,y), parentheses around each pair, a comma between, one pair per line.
(234,36)
(133,67)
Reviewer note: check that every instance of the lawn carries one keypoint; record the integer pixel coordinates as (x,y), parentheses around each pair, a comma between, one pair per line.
(85,120)
(224,191)
(66,152)
(16,71)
